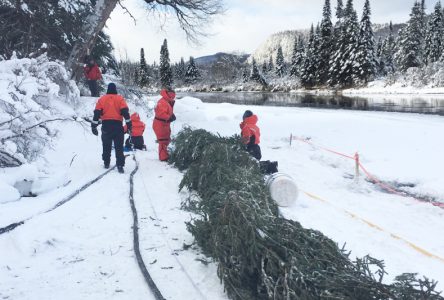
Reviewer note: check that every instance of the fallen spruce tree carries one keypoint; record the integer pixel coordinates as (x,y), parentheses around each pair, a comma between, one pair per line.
(261,255)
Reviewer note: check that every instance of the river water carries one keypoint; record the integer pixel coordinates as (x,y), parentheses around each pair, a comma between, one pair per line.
(425,104)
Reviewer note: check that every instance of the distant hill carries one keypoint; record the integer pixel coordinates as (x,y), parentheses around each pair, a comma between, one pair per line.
(221,57)
(286,39)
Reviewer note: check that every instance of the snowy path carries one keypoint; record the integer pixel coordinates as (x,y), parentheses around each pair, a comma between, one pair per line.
(82,250)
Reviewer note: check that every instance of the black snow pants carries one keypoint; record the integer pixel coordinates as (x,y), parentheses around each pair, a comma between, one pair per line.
(94,88)
(136,141)
(112,131)
(254,150)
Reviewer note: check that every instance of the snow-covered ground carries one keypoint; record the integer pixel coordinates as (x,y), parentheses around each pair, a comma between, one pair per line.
(84,249)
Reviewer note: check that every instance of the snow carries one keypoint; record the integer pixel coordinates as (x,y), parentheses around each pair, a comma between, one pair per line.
(84,249)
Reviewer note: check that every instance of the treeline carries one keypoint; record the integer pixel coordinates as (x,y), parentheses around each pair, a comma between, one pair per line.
(345,54)
(163,75)
(341,52)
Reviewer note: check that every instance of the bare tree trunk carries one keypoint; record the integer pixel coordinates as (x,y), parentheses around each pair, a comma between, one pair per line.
(90,32)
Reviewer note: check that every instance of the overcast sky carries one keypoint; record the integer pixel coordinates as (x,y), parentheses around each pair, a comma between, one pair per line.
(243,27)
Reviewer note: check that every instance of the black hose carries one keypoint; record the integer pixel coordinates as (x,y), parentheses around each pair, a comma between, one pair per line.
(13,226)
(154,289)
(139,258)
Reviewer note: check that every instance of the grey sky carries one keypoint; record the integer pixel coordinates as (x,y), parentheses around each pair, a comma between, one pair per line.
(243,27)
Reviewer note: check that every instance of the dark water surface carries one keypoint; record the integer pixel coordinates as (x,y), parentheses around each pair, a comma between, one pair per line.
(425,104)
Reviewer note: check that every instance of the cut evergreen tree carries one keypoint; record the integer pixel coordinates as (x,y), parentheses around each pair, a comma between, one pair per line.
(281,68)
(165,71)
(192,74)
(365,61)
(260,255)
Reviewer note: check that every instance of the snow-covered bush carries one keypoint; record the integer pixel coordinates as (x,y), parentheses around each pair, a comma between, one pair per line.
(28,89)
(430,76)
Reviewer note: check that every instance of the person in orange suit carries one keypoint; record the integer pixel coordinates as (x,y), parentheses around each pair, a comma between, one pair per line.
(136,135)
(251,134)
(111,109)
(163,118)
(92,75)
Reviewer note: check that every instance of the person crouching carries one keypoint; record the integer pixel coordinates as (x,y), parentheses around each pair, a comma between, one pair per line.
(251,134)
(164,115)
(112,109)
(136,135)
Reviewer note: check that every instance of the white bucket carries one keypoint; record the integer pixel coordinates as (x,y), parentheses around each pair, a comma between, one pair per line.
(283,189)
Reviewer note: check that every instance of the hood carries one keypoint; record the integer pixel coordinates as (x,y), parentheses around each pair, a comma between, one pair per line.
(112,89)
(168,95)
(251,120)
(135,117)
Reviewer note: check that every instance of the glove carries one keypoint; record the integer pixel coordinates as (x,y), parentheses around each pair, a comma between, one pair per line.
(129,127)
(173,118)
(94,129)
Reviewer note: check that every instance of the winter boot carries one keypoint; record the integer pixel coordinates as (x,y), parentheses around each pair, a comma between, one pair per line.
(120,169)
(106,165)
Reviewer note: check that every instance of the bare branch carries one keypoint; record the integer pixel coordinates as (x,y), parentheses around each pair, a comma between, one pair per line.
(40,124)
(127,11)
(8,161)
(192,15)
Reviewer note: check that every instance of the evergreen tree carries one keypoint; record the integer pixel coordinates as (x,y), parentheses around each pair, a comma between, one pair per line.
(316,58)
(192,74)
(270,64)
(180,70)
(245,75)
(379,48)
(281,68)
(339,10)
(325,44)
(264,68)
(342,64)
(143,73)
(410,53)
(297,58)
(366,62)
(255,75)
(165,72)
(308,76)
(388,52)
(434,38)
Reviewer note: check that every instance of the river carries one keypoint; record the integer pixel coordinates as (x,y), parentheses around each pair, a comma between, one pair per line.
(425,104)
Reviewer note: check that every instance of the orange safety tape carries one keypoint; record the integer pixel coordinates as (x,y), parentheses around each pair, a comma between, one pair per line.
(373,178)
(324,148)
(372,225)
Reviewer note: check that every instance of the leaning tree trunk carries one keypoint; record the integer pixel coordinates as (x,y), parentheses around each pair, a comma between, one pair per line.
(90,31)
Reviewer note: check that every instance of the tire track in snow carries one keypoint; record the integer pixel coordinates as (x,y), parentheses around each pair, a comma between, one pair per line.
(181,266)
